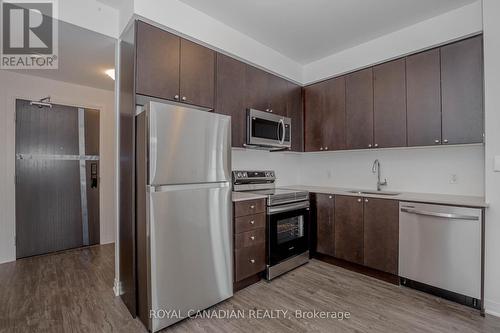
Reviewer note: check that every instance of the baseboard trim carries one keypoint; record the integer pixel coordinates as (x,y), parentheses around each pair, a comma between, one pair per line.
(118,288)
(492,308)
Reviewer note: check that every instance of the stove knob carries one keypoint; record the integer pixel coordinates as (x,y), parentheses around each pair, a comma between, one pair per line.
(245,175)
(238,175)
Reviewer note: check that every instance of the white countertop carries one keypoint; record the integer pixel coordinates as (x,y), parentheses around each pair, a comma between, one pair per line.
(242,196)
(445,199)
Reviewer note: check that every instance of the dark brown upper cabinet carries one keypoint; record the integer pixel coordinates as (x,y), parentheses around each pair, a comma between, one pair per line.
(381,234)
(389,104)
(359,109)
(423,93)
(197,83)
(257,89)
(462,91)
(349,238)
(157,62)
(295,111)
(278,92)
(325,228)
(325,117)
(172,68)
(231,94)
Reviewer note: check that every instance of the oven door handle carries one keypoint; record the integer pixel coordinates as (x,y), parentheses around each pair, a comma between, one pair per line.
(287,208)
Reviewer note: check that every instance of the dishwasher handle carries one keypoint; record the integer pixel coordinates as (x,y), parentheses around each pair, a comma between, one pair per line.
(441,215)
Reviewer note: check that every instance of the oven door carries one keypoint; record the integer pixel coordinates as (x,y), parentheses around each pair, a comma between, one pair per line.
(269,130)
(288,231)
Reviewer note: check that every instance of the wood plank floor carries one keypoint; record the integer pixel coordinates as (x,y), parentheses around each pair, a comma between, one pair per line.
(72,292)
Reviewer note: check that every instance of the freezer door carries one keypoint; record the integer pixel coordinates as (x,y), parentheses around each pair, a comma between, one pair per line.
(190,249)
(187,145)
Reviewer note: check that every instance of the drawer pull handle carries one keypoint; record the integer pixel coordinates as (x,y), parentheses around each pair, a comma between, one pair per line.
(252,237)
(252,222)
(252,261)
(252,207)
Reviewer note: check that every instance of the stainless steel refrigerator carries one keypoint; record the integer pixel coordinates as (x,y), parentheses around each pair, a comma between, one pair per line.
(188,242)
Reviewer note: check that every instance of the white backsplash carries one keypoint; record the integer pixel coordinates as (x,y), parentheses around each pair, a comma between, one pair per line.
(423,169)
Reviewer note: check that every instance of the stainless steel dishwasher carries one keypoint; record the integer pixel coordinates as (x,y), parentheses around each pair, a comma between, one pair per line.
(440,250)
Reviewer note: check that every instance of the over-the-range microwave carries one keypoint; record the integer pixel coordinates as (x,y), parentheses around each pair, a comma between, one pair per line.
(268,130)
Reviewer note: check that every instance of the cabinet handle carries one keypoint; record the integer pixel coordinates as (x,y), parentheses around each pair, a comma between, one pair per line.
(359,200)
(252,207)
(366,200)
(370,145)
(184,98)
(376,145)
(436,141)
(252,237)
(252,222)
(445,141)
(176,97)
(252,261)
(330,197)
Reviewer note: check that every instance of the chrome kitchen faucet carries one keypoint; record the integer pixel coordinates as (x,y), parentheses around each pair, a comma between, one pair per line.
(376,169)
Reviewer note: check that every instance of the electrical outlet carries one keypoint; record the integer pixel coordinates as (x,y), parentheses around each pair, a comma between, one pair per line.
(329,174)
(453,179)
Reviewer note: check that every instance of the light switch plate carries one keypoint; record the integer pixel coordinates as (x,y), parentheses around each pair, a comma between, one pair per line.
(496,167)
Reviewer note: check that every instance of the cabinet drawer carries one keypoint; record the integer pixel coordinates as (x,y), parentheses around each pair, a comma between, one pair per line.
(250,238)
(251,222)
(248,207)
(249,261)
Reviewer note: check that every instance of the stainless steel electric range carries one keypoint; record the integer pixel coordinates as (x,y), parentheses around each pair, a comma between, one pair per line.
(287,227)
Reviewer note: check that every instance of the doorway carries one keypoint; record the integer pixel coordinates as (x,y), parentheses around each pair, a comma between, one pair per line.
(57,177)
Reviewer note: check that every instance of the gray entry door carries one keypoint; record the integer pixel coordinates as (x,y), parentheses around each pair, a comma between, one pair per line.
(57,178)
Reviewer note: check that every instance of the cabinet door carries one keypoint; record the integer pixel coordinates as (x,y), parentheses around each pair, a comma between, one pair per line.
(314,100)
(257,84)
(462,91)
(389,104)
(157,59)
(381,234)
(295,111)
(325,115)
(359,109)
(231,96)
(423,91)
(349,228)
(197,70)
(325,228)
(333,127)
(278,89)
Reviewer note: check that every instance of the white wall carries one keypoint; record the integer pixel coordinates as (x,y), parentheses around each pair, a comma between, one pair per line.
(452,25)
(12,86)
(425,169)
(492,116)
(187,21)
(91,15)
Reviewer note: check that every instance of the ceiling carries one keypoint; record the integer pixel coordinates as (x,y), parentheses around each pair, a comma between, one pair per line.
(308,30)
(84,55)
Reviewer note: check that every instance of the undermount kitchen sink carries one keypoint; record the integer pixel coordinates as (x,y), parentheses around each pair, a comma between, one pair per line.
(375,192)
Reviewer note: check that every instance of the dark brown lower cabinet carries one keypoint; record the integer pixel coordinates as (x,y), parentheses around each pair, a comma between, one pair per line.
(249,242)
(349,228)
(325,228)
(381,234)
(363,231)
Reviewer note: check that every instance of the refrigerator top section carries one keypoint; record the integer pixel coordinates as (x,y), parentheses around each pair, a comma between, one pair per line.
(187,146)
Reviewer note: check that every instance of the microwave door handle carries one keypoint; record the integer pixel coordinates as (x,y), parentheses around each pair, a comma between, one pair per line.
(282,124)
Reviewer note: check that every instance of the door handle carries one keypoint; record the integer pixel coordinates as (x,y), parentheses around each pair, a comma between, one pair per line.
(93,175)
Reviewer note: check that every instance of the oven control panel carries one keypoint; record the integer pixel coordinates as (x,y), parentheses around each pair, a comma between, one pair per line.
(245,176)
